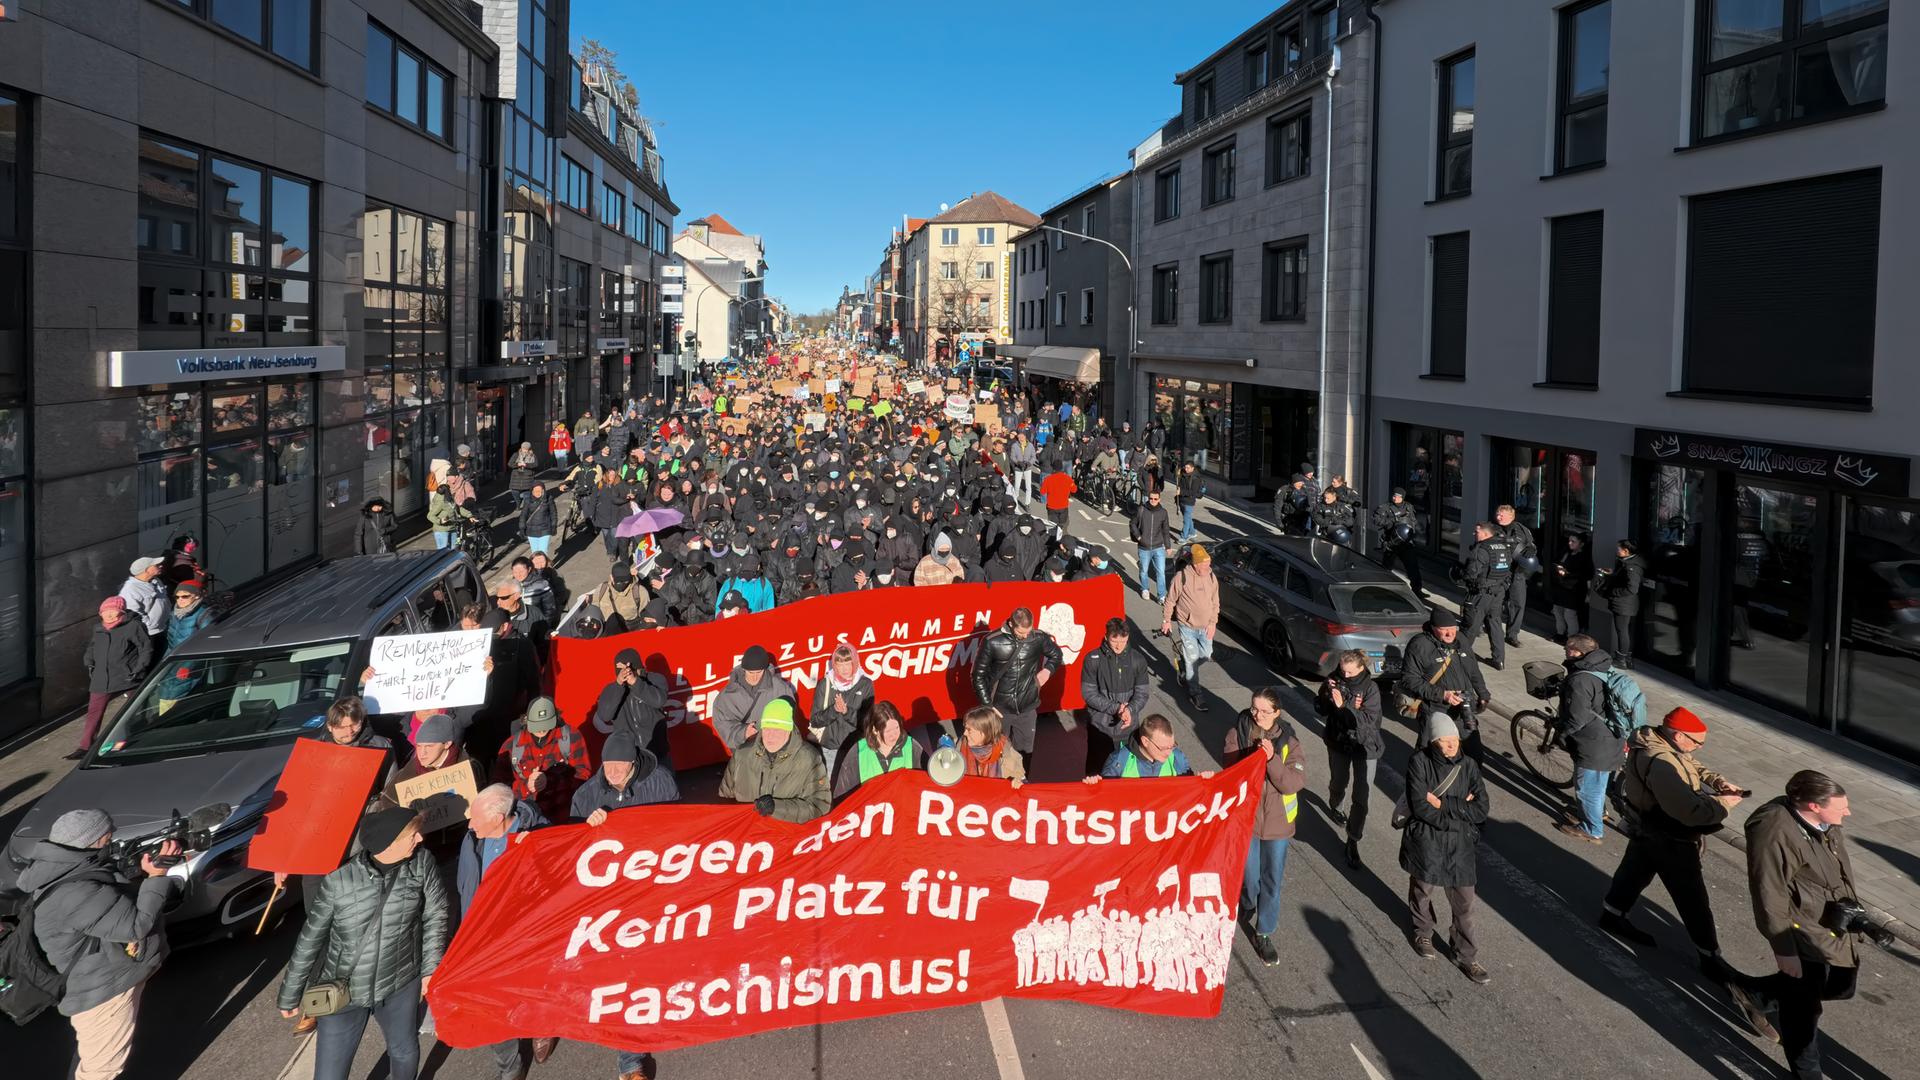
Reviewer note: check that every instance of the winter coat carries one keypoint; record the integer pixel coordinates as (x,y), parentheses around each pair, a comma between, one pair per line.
(835,727)
(606,505)
(1569,589)
(795,775)
(442,512)
(180,677)
(1583,714)
(738,706)
(1623,585)
(1353,728)
(411,925)
(1109,680)
(148,603)
(1438,845)
(650,785)
(466,875)
(1286,772)
(1425,653)
(85,914)
(1192,487)
(1151,528)
(540,516)
(521,471)
(1193,600)
(1794,871)
(374,536)
(1006,671)
(934,570)
(909,753)
(1670,790)
(641,711)
(117,659)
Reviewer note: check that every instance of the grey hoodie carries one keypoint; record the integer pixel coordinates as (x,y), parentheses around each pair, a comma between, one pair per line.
(86,914)
(737,707)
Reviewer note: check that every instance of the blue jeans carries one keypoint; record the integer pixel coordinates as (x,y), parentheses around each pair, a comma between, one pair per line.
(538,544)
(339,1036)
(442,540)
(1196,648)
(560,459)
(1186,524)
(1156,559)
(1260,888)
(1591,786)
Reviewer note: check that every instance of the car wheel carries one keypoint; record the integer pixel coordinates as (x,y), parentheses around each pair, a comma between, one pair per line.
(1278,647)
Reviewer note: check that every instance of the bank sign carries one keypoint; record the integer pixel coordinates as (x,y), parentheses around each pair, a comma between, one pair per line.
(1846,470)
(152,367)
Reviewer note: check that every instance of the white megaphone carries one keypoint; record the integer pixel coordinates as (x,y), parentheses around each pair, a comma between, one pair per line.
(946,767)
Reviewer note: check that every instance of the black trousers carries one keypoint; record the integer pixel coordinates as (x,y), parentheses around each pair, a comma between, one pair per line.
(1020,731)
(1568,621)
(1403,554)
(1622,640)
(1360,769)
(1676,862)
(1484,610)
(1799,1003)
(1100,747)
(1516,606)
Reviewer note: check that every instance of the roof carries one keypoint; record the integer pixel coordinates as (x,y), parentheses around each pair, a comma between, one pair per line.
(1086,191)
(718,224)
(1342,564)
(1244,37)
(341,598)
(988,206)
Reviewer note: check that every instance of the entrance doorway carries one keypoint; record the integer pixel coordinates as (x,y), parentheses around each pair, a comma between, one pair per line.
(1778,598)
(1551,491)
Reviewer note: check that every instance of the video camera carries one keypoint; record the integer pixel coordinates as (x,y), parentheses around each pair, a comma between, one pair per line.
(195,832)
(1847,916)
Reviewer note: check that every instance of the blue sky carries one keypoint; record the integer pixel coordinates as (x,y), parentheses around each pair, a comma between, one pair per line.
(805,122)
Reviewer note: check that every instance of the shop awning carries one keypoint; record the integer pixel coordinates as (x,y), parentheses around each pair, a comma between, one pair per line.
(1064,362)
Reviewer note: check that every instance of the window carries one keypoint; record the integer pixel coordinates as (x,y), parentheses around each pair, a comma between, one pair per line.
(1216,288)
(575,184)
(613,208)
(228,255)
(1573,300)
(572,302)
(407,341)
(1166,294)
(639,222)
(985,307)
(984,234)
(1059,309)
(1291,52)
(1288,146)
(1216,174)
(1764,63)
(1023,259)
(1060,238)
(949,271)
(662,237)
(1447,326)
(1326,26)
(1259,67)
(1086,307)
(1456,126)
(949,237)
(1166,194)
(284,26)
(577,90)
(17,583)
(983,271)
(1780,274)
(1585,58)
(1283,281)
(1203,102)
(405,85)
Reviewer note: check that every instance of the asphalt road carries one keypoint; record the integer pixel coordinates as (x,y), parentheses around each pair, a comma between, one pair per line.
(1349,999)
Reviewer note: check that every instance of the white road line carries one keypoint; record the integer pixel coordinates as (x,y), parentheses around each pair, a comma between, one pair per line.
(1372,1073)
(300,1065)
(1005,1054)
(1107,536)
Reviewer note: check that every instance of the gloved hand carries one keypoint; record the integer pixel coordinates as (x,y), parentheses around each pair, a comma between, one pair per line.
(764,804)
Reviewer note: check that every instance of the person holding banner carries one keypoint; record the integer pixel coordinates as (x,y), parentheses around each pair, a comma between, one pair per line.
(346,725)
(987,751)
(779,775)
(1152,752)
(1261,729)
(749,690)
(884,746)
(374,933)
(1113,680)
(493,817)
(545,759)
(628,776)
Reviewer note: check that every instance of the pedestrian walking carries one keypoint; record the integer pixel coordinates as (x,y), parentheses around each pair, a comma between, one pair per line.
(1058,489)
(1396,525)
(1261,729)
(444,515)
(178,678)
(1349,707)
(560,444)
(1113,682)
(544,759)
(1440,674)
(374,534)
(628,776)
(1489,575)
(522,467)
(541,518)
(148,602)
(104,933)
(494,816)
(1525,554)
(778,774)
(1193,608)
(117,657)
(1013,664)
(1588,726)
(375,930)
(1192,487)
(1152,534)
(1446,803)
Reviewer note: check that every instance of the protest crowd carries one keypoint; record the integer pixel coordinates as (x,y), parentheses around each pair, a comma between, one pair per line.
(822,473)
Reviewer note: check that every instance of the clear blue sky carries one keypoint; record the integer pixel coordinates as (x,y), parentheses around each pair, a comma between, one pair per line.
(818,125)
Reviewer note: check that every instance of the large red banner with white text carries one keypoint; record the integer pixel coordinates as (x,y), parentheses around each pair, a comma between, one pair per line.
(671,926)
(917,644)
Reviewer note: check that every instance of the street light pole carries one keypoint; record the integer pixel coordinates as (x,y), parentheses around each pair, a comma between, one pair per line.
(1133,287)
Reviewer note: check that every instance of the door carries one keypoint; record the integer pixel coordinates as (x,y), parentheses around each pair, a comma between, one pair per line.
(489,430)
(1673,522)
(1879,670)
(1777,599)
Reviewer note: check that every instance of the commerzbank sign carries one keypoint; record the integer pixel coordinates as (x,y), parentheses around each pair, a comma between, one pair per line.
(152,367)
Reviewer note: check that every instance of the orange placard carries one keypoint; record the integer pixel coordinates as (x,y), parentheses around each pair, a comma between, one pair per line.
(315,807)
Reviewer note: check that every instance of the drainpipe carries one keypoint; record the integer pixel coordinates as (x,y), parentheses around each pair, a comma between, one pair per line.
(1373,231)
(1326,265)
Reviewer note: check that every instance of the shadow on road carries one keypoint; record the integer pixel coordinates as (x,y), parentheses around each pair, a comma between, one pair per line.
(1406,1045)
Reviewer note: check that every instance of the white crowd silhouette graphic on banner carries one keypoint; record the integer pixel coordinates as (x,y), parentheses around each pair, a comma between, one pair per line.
(1178,947)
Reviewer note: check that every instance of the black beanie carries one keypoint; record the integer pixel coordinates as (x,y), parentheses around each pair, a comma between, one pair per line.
(381,828)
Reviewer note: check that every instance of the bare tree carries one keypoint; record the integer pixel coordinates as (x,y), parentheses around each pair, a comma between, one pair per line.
(959,296)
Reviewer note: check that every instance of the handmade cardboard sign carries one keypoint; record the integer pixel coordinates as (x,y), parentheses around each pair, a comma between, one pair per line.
(441,796)
(427,671)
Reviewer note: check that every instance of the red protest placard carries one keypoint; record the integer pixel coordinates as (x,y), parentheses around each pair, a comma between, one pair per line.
(917,644)
(315,807)
(671,926)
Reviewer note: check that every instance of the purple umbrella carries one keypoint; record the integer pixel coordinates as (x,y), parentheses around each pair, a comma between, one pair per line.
(648,522)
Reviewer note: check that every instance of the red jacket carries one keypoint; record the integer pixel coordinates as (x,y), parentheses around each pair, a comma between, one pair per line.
(561,440)
(1058,488)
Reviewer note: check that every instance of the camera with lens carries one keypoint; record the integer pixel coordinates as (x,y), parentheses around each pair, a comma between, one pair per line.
(194,832)
(1847,916)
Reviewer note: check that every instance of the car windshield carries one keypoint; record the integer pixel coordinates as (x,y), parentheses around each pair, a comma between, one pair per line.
(200,703)
(1378,602)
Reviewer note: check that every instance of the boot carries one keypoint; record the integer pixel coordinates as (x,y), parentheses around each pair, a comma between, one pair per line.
(1353,854)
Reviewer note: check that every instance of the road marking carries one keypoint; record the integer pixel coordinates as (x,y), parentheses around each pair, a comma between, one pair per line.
(1107,536)
(1005,1054)
(1372,1073)
(300,1065)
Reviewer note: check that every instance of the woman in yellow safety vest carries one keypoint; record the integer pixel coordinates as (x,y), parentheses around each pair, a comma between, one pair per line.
(883,747)
(1261,729)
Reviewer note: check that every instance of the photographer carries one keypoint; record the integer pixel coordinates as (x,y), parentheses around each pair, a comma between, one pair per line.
(1805,904)
(100,931)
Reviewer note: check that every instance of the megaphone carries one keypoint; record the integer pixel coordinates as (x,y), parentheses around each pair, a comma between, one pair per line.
(946,767)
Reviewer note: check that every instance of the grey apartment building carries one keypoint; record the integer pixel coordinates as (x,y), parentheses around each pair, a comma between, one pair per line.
(262,260)
(1250,215)
(1641,276)
(1071,321)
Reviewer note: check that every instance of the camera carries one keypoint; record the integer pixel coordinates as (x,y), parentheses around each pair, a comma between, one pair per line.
(1847,916)
(194,832)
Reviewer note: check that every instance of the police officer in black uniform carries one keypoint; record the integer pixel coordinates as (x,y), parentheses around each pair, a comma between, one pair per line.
(1333,518)
(1508,528)
(1489,577)
(1395,523)
(1293,506)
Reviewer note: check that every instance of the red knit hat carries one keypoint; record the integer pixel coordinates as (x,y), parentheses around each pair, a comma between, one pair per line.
(1682,719)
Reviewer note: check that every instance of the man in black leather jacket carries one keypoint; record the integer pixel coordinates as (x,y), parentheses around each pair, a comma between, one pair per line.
(1014,663)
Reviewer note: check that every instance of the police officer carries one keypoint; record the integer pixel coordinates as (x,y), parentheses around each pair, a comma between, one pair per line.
(1489,578)
(1333,516)
(1395,524)
(1293,506)
(1505,525)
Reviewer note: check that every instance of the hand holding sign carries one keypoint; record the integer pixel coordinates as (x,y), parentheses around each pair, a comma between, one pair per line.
(427,671)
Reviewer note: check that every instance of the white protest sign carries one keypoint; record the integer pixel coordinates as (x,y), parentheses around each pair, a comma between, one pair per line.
(427,671)
(959,407)
(916,386)
(833,386)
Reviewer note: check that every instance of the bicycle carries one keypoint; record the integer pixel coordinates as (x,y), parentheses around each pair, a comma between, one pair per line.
(470,535)
(1536,732)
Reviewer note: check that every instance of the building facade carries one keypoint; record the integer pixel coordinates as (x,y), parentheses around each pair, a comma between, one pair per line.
(1071,322)
(727,309)
(1250,214)
(1669,307)
(958,278)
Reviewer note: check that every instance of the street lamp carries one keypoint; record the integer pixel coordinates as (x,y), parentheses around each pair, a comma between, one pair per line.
(1133,326)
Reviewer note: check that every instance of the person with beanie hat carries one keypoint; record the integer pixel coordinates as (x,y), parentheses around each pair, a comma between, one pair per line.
(753,684)
(1445,805)
(544,759)
(436,745)
(117,658)
(780,775)
(190,615)
(1677,801)
(378,925)
(104,934)
(629,776)
(1441,675)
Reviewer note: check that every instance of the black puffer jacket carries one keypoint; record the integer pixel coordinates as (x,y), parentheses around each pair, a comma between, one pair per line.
(1583,714)
(540,515)
(412,928)
(85,914)
(1109,680)
(1354,726)
(117,659)
(1005,673)
(1438,844)
(606,505)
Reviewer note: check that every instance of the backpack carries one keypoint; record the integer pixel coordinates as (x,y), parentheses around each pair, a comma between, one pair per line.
(516,752)
(1623,703)
(28,983)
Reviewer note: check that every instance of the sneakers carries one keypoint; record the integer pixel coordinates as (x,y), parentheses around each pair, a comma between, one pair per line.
(1424,946)
(1619,927)
(1753,1013)
(1578,833)
(1145,595)
(1476,973)
(1263,947)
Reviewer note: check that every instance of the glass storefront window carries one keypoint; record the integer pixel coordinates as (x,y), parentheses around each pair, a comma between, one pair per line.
(1879,675)
(234,412)
(1776,580)
(12,441)
(290,535)
(16,651)
(169,498)
(1676,512)
(1197,416)
(377,474)
(1551,492)
(1427,462)
(236,518)
(411,322)
(289,405)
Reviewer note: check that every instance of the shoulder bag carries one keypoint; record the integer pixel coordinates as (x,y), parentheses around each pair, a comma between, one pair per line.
(1403,814)
(1409,705)
(327,998)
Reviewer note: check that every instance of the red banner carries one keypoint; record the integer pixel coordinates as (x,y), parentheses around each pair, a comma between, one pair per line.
(671,926)
(917,644)
(315,807)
